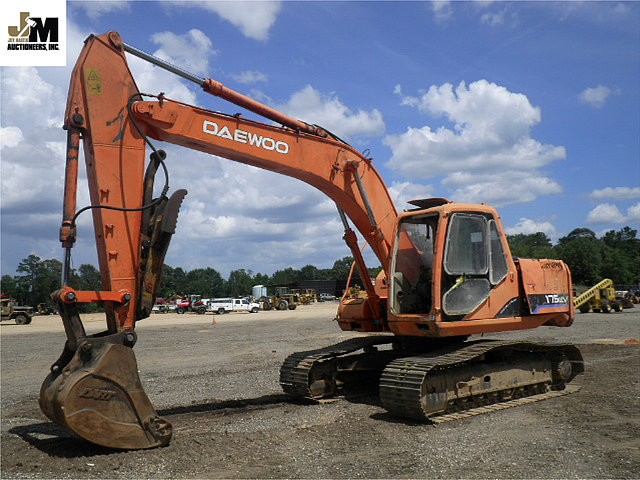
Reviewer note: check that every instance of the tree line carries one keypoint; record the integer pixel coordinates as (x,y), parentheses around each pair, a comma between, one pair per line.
(615,255)
(209,283)
(36,279)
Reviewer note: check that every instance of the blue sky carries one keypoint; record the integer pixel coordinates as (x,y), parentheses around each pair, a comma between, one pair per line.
(533,107)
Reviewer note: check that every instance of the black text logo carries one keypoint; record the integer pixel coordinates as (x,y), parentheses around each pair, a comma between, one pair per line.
(33,33)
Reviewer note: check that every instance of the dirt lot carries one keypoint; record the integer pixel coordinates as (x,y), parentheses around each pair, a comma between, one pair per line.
(218,385)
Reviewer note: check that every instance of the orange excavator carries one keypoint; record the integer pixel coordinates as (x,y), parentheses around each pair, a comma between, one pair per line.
(447,272)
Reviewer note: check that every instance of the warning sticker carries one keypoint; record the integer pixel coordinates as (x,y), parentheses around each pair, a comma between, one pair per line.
(94,83)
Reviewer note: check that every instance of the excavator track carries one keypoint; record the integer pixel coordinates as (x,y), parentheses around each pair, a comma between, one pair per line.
(451,382)
(494,407)
(481,374)
(313,374)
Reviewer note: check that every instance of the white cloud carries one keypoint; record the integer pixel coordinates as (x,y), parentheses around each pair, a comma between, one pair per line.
(621,9)
(190,51)
(493,19)
(33,104)
(489,153)
(616,193)
(96,8)
(442,11)
(491,13)
(633,213)
(250,76)
(608,213)
(27,99)
(496,17)
(10,137)
(403,192)
(482,111)
(198,225)
(596,97)
(32,111)
(329,112)
(605,213)
(253,18)
(528,227)
(501,189)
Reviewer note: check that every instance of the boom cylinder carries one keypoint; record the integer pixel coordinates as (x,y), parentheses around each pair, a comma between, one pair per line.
(217,89)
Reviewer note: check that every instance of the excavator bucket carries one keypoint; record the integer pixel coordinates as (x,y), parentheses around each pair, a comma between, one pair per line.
(94,389)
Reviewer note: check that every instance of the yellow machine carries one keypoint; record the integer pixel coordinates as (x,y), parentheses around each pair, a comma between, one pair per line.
(283,300)
(599,298)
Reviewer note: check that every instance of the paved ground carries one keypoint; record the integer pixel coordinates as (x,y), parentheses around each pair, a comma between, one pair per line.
(218,385)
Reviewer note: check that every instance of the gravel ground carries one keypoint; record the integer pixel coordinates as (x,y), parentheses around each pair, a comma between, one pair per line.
(218,385)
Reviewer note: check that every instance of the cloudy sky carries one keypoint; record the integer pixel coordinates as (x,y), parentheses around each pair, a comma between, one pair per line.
(531,107)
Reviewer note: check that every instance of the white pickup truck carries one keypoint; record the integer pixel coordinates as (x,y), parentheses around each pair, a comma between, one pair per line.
(226,305)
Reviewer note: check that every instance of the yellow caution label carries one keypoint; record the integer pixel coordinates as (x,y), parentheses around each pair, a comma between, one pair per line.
(94,83)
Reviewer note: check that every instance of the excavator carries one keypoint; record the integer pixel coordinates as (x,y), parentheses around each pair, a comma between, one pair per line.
(447,273)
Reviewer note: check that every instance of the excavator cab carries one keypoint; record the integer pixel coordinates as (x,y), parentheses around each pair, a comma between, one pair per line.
(459,254)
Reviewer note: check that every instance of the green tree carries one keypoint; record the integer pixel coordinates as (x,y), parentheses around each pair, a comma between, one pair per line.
(309,272)
(173,282)
(285,277)
(216,284)
(584,254)
(51,277)
(532,245)
(89,277)
(576,234)
(240,282)
(8,286)
(616,256)
(28,282)
(204,281)
(622,256)
(40,278)
(616,265)
(342,267)
(625,237)
(260,279)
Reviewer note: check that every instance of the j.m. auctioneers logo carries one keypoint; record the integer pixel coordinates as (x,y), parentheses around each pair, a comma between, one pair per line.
(34,33)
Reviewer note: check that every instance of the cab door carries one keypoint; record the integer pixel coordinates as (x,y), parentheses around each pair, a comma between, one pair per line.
(474,263)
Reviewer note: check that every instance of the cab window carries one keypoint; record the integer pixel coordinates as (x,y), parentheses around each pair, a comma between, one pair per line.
(466,250)
(474,262)
(499,268)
